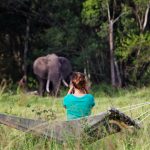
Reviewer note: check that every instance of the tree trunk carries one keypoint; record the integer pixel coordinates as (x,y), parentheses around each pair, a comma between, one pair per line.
(113,82)
(119,84)
(86,64)
(26,46)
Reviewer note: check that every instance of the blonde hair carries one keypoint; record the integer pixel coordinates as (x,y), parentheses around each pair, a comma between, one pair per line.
(79,81)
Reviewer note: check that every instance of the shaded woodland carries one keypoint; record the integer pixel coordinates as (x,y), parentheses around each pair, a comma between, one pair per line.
(109,40)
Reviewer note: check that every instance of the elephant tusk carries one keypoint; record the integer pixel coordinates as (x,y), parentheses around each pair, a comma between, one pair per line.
(47,86)
(65,83)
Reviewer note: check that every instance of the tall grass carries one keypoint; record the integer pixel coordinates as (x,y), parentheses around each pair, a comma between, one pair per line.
(48,108)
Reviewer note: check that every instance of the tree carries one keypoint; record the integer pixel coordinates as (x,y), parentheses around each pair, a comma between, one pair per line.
(140,10)
(133,46)
(92,12)
(19,21)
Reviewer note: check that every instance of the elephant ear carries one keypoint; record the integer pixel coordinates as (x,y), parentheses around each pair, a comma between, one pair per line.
(66,67)
(61,60)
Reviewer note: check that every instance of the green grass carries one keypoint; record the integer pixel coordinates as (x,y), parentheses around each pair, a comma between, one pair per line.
(49,108)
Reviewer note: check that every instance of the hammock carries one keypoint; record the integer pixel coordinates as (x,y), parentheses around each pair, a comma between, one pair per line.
(90,128)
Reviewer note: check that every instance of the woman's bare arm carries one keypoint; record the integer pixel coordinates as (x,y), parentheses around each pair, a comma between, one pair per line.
(70,89)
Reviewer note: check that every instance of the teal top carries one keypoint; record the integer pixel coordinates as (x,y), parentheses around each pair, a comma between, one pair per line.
(78,106)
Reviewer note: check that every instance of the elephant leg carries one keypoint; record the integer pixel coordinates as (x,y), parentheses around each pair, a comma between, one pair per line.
(41,89)
(56,88)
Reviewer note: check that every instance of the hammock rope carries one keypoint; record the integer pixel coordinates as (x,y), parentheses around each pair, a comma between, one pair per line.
(144,118)
(133,107)
(142,114)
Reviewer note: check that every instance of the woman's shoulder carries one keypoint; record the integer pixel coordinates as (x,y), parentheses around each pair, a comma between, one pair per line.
(90,95)
(91,99)
(67,96)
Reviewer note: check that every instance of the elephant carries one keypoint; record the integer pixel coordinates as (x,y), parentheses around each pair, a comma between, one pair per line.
(51,70)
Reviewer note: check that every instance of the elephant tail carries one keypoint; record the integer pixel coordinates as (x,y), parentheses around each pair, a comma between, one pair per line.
(47,86)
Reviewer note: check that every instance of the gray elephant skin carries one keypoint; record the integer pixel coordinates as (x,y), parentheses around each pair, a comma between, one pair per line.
(51,70)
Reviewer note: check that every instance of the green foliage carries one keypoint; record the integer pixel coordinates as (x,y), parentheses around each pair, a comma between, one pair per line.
(77,30)
(54,37)
(141,5)
(103,30)
(43,113)
(91,12)
(32,83)
(135,51)
(135,43)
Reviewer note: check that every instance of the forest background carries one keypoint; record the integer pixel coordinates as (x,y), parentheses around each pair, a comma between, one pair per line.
(109,40)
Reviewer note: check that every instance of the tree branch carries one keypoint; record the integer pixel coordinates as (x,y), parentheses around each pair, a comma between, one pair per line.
(119,17)
(135,11)
(146,16)
(108,12)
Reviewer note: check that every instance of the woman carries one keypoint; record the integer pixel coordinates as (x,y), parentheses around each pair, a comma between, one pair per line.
(78,101)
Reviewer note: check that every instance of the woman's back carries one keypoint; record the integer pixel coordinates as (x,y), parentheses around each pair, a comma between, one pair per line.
(78,106)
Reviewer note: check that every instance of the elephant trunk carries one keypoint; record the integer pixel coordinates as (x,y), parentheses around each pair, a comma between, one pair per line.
(47,86)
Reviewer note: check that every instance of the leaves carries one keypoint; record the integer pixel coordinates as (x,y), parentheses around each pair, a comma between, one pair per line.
(77,30)
(91,12)
(135,43)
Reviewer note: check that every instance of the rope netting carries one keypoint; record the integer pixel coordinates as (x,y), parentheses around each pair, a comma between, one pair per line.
(142,116)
